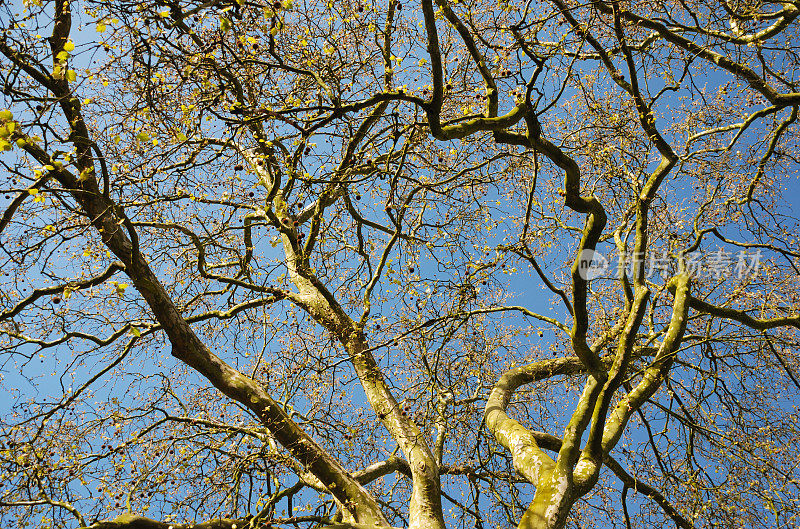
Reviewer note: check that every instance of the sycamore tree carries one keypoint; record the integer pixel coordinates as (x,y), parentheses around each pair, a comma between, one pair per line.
(438,264)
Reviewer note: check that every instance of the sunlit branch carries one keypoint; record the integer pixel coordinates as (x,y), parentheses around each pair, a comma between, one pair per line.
(12,208)
(47,501)
(737,69)
(71,286)
(648,490)
(742,316)
(773,143)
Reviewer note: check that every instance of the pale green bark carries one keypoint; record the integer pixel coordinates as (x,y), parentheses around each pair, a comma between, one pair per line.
(425,509)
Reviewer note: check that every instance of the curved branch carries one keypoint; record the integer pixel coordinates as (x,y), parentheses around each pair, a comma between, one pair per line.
(527,456)
(551,442)
(649,491)
(112,269)
(743,317)
(131,521)
(12,208)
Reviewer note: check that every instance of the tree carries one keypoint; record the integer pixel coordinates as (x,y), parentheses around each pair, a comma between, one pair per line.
(342,264)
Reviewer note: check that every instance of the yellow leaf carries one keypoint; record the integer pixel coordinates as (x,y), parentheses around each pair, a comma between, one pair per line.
(85,174)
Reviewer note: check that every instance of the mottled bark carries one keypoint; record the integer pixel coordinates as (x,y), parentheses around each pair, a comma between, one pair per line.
(425,508)
(358,505)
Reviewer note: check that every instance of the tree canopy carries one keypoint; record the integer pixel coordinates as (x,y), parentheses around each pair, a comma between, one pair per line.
(458,264)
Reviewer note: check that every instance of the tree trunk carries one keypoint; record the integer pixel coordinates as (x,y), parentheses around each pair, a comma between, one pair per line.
(552,502)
